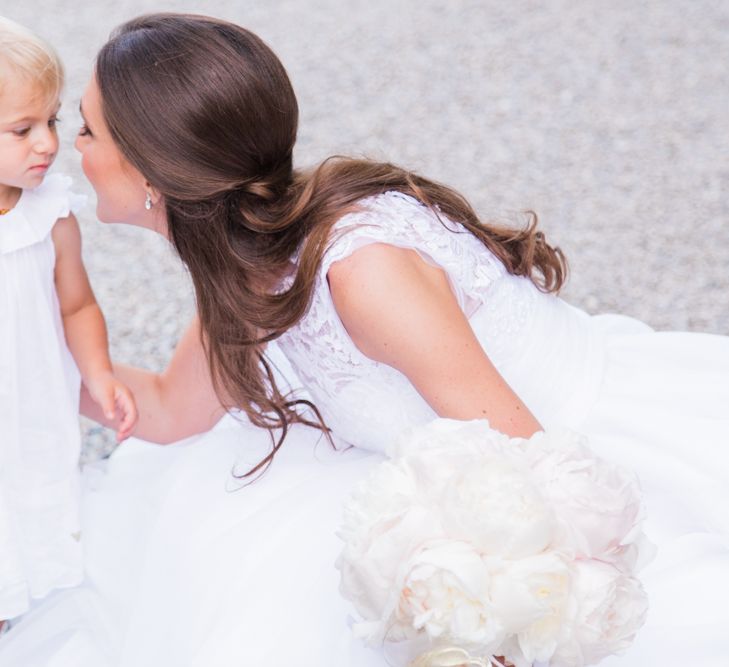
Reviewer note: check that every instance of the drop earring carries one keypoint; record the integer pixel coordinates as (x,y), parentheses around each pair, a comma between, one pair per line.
(148,202)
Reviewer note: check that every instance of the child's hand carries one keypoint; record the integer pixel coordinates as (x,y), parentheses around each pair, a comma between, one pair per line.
(114,398)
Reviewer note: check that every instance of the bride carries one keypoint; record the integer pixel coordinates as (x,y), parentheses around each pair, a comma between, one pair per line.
(391,304)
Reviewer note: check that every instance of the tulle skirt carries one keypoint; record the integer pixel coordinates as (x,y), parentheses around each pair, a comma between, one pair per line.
(188,567)
(663,410)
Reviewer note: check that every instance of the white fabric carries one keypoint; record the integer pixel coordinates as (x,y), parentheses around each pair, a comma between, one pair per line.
(184,572)
(39,388)
(656,402)
(547,350)
(185,568)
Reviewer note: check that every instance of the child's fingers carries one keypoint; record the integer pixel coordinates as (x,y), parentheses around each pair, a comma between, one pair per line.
(107,402)
(128,409)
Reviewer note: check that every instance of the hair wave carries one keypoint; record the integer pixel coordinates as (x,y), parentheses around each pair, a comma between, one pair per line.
(206,112)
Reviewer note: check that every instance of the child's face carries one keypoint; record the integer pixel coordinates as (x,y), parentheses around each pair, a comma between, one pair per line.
(28,139)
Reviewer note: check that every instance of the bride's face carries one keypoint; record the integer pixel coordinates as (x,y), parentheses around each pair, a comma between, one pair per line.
(121,190)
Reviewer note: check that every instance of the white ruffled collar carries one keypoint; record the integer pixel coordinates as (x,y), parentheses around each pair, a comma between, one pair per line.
(37,210)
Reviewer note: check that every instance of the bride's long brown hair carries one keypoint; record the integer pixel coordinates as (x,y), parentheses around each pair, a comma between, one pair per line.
(206,112)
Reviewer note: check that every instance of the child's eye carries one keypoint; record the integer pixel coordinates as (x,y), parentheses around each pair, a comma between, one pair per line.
(84,131)
(52,122)
(21,132)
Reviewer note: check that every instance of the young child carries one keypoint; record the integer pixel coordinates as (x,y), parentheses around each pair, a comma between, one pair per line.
(49,318)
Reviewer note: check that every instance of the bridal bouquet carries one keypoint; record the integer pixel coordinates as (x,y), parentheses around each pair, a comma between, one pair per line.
(468,544)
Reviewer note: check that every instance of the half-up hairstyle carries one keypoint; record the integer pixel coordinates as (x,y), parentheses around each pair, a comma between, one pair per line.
(206,112)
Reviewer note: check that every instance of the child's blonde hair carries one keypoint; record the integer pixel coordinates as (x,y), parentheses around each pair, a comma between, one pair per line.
(26,55)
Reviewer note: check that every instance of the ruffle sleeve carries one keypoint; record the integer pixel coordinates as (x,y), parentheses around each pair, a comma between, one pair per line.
(37,211)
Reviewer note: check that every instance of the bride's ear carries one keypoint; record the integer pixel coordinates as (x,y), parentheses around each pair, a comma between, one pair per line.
(154,196)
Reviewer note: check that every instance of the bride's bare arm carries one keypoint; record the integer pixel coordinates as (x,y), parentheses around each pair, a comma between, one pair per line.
(174,404)
(401,311)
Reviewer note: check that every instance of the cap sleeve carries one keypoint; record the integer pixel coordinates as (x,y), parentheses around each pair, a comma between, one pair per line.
(32,219)
(397,219)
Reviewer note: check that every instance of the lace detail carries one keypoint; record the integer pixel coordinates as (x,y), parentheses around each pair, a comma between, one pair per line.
(502,322)
(368,403)
(400,220)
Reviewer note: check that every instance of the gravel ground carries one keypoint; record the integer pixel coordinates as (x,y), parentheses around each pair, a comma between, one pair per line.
(608,119)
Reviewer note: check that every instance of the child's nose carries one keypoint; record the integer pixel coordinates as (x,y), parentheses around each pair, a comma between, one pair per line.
(46,142)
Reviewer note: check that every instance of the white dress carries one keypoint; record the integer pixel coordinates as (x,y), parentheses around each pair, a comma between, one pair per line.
(39,387)
(655,402)
(185,571)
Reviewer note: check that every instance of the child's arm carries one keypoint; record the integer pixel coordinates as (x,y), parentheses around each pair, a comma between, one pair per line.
(85,328)
(177,403)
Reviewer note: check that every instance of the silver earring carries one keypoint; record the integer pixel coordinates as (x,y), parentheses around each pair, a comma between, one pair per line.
(148,202)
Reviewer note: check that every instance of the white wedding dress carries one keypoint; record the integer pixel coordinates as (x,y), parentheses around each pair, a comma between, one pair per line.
(183,570)
(655,402)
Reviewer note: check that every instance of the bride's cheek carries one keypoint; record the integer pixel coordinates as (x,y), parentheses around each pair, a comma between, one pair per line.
(95,174)
(88,168)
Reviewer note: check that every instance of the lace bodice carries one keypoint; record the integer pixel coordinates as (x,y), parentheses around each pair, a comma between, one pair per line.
(367,403)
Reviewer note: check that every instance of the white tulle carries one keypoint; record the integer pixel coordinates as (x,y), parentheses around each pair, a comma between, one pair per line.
(184,571)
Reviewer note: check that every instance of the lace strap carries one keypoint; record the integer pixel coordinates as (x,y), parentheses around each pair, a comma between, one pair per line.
(399,220)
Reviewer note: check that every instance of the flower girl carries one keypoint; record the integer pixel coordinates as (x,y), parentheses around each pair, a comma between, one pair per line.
(49,319)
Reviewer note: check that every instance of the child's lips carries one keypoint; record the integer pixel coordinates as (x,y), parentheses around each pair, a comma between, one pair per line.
(40,167)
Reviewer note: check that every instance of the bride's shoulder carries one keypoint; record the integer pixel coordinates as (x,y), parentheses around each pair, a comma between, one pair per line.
(372,264)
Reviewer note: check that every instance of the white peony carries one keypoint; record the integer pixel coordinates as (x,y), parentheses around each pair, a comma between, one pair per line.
(496,507)
(607,610)
(599,503)
(446,593)
(471,540)
(483,494)
(532,597)
(383,527)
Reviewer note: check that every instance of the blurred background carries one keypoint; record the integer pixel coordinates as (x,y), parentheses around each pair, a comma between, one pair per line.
(607,118)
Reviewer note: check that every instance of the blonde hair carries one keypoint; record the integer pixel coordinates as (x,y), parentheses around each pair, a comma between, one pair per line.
(25,55)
